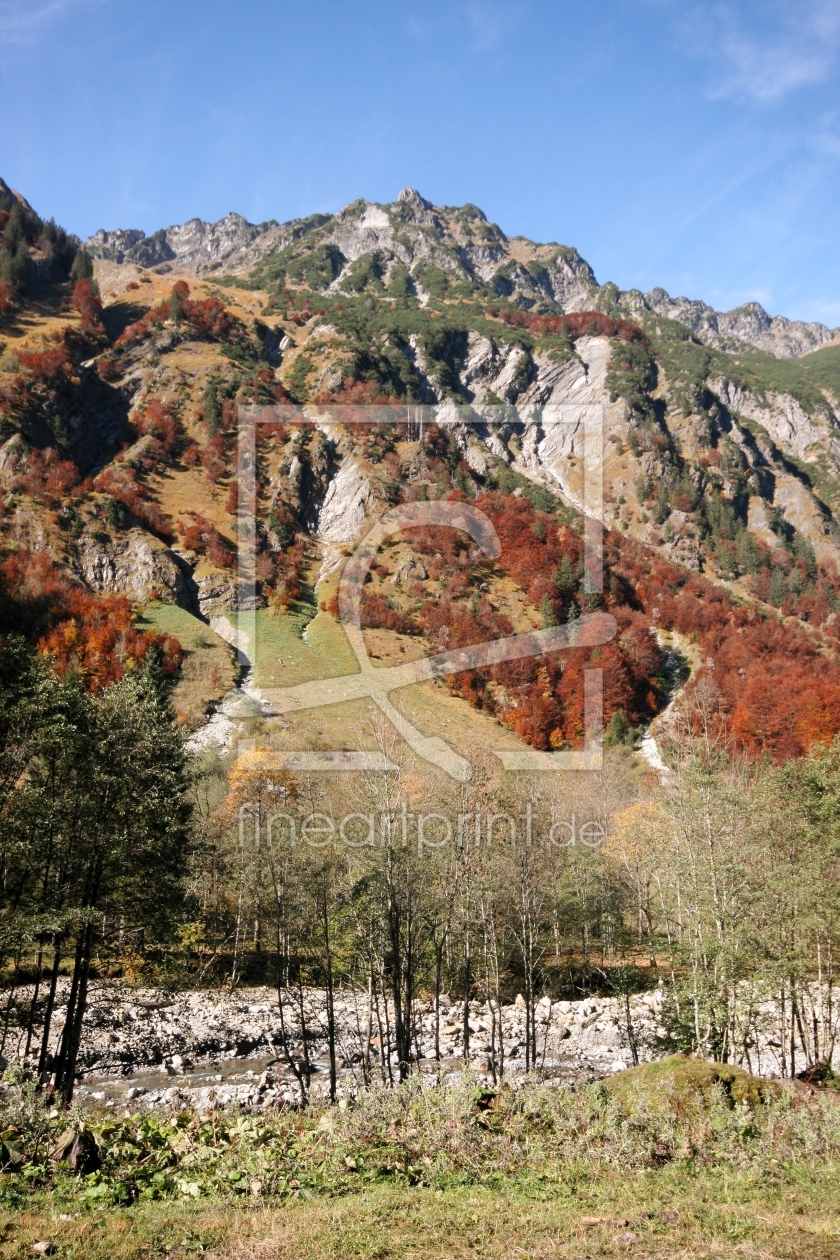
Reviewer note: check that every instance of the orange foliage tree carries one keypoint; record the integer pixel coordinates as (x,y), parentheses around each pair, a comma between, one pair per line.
(94,635)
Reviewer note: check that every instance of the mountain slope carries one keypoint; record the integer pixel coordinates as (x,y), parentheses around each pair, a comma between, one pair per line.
(721,465)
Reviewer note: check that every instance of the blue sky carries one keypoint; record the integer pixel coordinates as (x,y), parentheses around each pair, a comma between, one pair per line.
(691,144)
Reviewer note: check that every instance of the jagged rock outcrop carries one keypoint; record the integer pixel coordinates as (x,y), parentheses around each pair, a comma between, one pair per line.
(118,246)
(750,324)
(135,564)
(343,512)
(196,244)
(796,432)
(460,242)
(216,594)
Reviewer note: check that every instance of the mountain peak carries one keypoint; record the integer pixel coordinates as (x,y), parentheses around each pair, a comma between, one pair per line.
(413,197)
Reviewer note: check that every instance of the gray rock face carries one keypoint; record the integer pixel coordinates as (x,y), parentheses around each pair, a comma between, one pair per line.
(416,208)
(135,565)
(412,230)
(411,570)
(217,594)
(785,338)
(195,244)
(115,246)
(343,511)
(796,432)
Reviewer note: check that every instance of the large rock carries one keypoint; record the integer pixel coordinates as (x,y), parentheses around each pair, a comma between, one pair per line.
(78,1149)
(135,564)
(343,511)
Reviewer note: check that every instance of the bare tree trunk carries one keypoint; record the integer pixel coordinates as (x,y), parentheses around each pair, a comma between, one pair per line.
(328,961)
(467,987)
(48,1010)
(281,1007)
(72,1034)
(439,947)
(30,1023)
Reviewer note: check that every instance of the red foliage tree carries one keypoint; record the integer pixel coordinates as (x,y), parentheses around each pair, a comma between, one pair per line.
(44,475)
(48,365)
(203,537)
(159,422)
(213,459)
(88,303)
(122,484)
(93,635)
(573,325)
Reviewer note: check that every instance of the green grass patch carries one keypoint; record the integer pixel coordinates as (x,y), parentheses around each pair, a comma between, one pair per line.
(702,1214)
(295,646)
(209,668)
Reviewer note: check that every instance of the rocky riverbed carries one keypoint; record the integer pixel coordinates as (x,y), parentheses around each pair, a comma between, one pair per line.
(204,1048)
(201,1048)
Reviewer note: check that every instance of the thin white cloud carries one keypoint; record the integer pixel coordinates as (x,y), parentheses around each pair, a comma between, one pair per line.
(22,22)
(489,23)
(764,51)
(731,299)
(483,25)
(826,310)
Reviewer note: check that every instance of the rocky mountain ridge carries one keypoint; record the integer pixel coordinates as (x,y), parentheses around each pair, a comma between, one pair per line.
(194,244)
(463,244)
(745,325)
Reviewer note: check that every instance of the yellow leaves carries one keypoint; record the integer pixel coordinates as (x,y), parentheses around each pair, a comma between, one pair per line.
(190,935)
(257,762)
(257,779)
(631,832)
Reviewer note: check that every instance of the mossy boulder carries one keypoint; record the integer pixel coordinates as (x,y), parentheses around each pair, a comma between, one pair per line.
(679,1077)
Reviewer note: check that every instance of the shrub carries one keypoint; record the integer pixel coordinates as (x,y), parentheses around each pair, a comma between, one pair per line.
(203,537)
(94,635)
(121,484)
(47,365)
(87,302)
(158,421)
(212,459)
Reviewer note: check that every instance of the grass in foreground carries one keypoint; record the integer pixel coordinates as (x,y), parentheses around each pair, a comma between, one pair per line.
(668,1165)
(790,1215)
